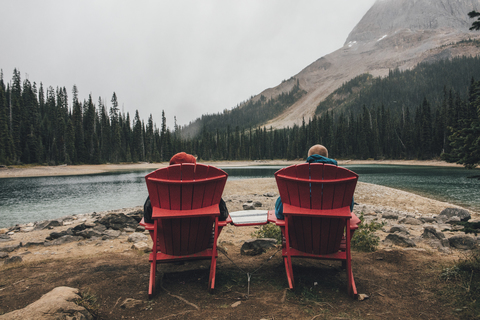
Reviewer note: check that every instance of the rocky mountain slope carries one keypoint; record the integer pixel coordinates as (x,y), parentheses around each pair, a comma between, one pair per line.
(392,34)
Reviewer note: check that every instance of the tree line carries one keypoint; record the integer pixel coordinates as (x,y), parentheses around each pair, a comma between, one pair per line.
(42,127)
(39,126)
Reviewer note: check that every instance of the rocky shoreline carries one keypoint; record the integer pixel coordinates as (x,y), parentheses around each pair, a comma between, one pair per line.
(119,229)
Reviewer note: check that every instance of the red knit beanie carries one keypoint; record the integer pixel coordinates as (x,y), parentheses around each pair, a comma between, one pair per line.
(182,157)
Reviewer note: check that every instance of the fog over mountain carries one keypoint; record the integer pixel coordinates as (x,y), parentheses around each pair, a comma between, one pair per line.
(392,34)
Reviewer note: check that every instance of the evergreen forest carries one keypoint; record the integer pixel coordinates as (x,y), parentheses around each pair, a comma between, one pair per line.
(429,112)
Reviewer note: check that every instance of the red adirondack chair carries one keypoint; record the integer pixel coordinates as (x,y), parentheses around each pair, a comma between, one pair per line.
(316,201)
(185,199)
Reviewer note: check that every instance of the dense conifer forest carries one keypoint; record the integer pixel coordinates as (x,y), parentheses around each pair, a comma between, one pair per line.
(432,111)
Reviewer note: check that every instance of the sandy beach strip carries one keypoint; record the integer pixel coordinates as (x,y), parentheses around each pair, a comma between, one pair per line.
(64,170)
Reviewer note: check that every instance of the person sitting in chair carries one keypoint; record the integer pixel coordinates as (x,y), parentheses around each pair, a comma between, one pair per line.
(316,154)
(179,158)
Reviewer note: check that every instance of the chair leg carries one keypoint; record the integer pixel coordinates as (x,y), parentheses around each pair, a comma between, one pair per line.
(151,285)
(211,281)
(288,268)
(352,288)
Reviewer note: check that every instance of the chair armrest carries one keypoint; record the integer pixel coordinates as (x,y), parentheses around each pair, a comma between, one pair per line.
(166,213)
(354,222)
(273,219)
(148,226)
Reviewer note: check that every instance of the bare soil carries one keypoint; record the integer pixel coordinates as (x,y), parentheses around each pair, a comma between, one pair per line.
(400,284)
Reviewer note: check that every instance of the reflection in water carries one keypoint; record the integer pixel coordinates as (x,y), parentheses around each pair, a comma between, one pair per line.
(24,200)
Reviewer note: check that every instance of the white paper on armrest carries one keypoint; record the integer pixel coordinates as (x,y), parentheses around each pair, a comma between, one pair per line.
(249,216)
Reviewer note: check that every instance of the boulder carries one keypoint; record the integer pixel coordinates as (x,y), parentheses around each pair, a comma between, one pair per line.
(400,240)
(47,224)
(111,234)
(89,233)
(462,242)
(62,240)
(118,221)
(141,246)
(463,214)
(13,259)
(137,237)
(255,247)
(56,304)
(10,248)
(33,243)
(432,233)
(397,228)
(427,219)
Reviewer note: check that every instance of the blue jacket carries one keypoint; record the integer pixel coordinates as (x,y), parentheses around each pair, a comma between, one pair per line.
(314,158)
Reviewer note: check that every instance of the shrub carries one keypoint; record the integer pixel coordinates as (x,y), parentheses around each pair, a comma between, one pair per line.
(463,280)
(269,230)
(364,238)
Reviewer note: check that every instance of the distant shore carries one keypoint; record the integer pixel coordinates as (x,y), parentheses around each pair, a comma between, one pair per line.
(64,170)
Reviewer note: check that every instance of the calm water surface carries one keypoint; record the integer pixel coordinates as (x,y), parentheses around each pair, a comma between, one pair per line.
(24,200)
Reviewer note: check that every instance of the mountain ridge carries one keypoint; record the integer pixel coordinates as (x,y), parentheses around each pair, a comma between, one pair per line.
(378,44)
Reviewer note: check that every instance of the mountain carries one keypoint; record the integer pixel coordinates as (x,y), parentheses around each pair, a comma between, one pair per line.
(392,34)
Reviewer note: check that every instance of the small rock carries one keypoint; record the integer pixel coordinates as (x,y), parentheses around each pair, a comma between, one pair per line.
(269,194)
(27,229)
(411,221)
(13,259)
(248,206)
(257,204)
(427,219)
(3,255)
(236,304)
(255,247)
(390,215)
(130,303)
(362,296)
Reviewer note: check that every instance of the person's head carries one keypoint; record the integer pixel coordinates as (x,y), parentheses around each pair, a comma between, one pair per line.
(318,149)
(182,157)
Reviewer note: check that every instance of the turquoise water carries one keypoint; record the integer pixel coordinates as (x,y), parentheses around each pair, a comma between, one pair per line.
(24,200)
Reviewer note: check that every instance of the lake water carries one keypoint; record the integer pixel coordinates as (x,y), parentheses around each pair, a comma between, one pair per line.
(24,200)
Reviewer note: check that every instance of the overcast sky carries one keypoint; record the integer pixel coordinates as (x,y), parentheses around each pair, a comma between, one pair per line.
(185,57)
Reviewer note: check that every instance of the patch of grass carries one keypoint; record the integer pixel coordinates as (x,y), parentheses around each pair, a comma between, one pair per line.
(88,300)
(269,230)
(364,238)
(463,285)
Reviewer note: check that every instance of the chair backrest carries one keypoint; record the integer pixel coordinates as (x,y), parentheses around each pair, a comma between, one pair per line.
(185,187)
(316,186)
